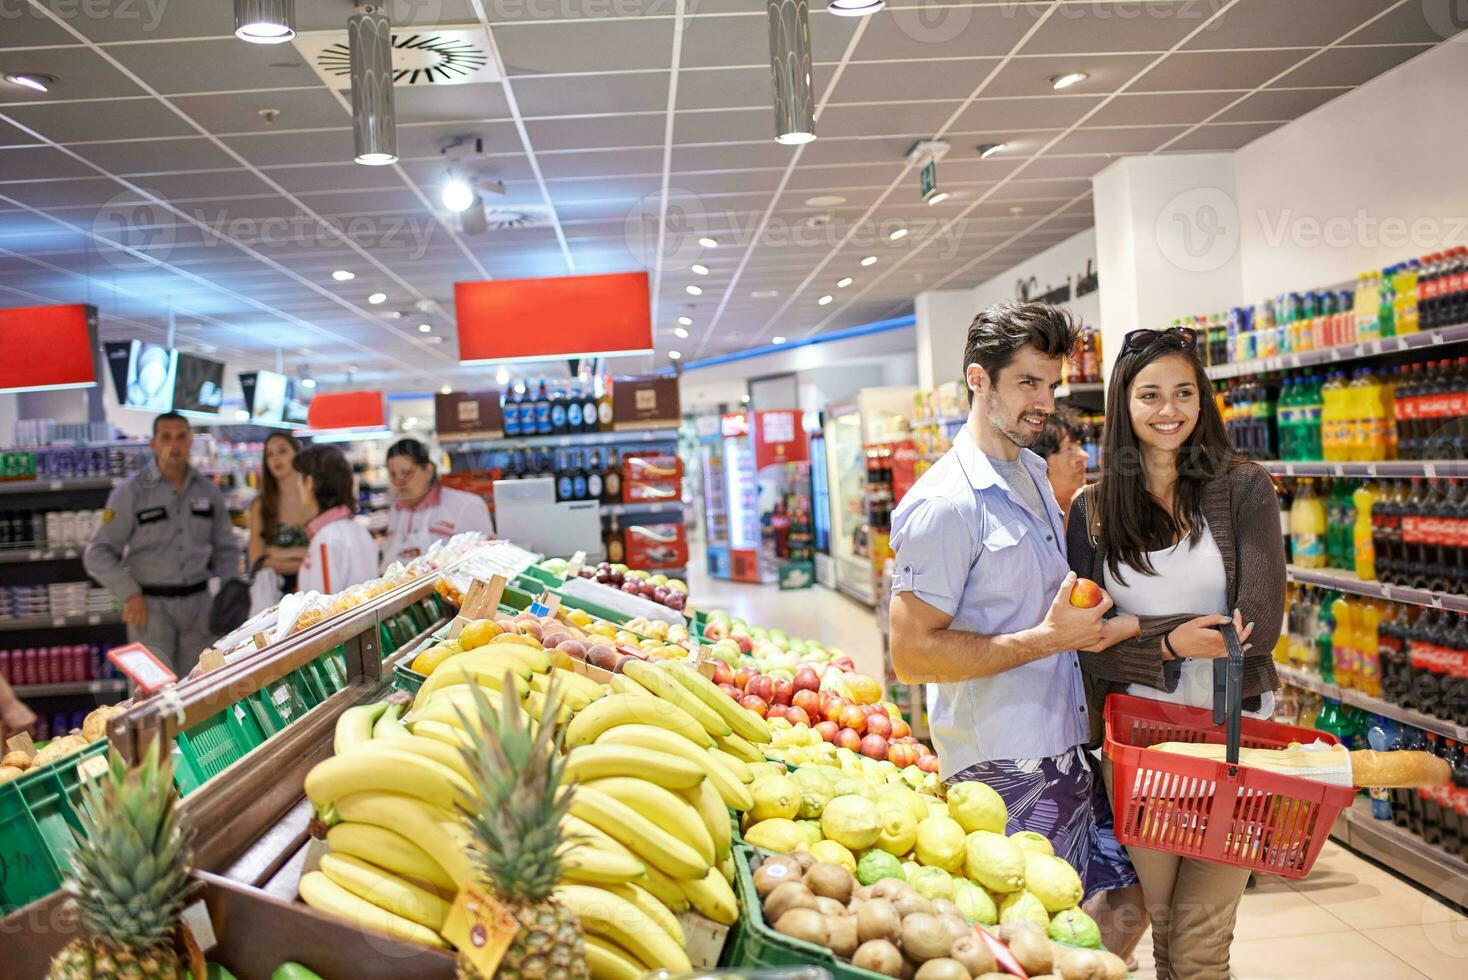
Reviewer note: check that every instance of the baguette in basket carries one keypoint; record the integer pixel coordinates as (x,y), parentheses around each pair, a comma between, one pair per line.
(1331,763)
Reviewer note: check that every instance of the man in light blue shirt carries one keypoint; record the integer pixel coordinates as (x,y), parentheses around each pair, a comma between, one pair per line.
(981,607)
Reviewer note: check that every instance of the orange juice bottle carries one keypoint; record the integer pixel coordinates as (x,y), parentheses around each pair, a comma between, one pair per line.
(1369,615)
(1344,641)
(1364,497)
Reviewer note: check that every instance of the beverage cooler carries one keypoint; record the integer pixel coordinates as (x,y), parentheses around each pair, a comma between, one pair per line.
(715,493)
(820,502)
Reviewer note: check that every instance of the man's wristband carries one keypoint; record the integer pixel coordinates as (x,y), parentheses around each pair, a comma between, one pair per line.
(1167,645)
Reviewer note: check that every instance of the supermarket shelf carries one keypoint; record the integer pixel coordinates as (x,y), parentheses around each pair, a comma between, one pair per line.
(1401,851)
(1310,681)
(56,622)
(1343,581)
(27,691)
(1429,468)
(13,556)
(940,420)
(50,486)
(570,439)
(650,507)
(1080,388)
(1342,352)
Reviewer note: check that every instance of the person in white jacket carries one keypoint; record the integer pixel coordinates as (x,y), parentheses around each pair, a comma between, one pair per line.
(424,510)
(340,553)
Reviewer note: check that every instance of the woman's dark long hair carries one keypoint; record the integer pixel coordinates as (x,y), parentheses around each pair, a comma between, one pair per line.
(1132,521)
(270,488)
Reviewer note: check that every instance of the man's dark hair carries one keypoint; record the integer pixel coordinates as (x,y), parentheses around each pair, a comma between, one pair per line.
(1059,424)
(998,333)
(331,475)
(169,417)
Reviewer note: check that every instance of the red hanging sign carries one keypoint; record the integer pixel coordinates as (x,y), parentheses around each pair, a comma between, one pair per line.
(347,410)
(48,347)
(566,316)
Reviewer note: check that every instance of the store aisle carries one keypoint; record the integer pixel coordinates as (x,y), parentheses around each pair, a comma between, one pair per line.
(1349,919)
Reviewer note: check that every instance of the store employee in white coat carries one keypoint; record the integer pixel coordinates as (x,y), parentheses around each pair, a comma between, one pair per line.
(340,552)
(425,510)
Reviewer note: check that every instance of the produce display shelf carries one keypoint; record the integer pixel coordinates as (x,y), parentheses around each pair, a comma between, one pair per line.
(650,507)
(1342,352)
(57,622)
(51,486)
(16,556)
(1344,581)
(108,686)
(1080,388)
(38,812)
(568,439)
(1311,681)
(1401,851)
(1392,468)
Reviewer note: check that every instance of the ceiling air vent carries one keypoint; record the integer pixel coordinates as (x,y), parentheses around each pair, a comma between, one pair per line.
(504,218)
(440,56)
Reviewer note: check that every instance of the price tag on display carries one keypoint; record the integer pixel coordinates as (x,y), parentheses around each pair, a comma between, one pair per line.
(573,568)
(142,667)
(89,769)
(479,928)
(480,602)
(210,659)
(21,742)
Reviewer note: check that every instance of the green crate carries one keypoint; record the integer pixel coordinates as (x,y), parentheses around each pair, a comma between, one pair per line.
(514,600)
(333,663)
(38,812)
(548,580)
(280,703)
(404,679)
(213,745)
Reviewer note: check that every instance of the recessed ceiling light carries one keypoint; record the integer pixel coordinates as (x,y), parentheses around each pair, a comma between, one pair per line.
(1016,209)
(869,260)
(693,290)
(457,195)
(709,242)
(744,399)
(446,390)
(393,315)
(342,275)
(425,328)
(34,81)
(377,298)
(686,321)
(986,150)
(824,201)
(680,332)
(855,8)
(434,339)
(824,300)
(308,382)
(843,282)
(939,198)
(1058,82)
(764,294)
(777,340)
(699,270)
(674,355)
(899,233)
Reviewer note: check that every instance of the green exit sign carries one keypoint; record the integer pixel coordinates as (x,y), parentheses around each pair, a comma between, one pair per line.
(929,177)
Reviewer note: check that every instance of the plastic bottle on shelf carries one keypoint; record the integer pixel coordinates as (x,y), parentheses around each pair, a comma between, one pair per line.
(1311,407)
(1307,527)
(1321,652)
(1266,339)
(1386,303)
(1369,614)
(1345,644)
(1428,278)
(1367,307)
(1384,735)
(1404,298)
(1330,418)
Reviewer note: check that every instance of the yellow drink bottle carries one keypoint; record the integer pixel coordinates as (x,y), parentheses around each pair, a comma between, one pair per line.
(1365,497)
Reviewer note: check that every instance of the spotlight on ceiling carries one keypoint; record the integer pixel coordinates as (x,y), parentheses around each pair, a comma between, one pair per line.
(446,390)
(777,340)
(699,270)
(899,233)
(843,282)
(1058,82)
(374,121)
(240,415)
(674,355)
(376,299)
(825,300)
(457,194)
(693,290)
(986,150)
(855,8)
(425,328)
(308,382)
(790,61)
(680,332)
(709,242)
(342,275)
(686,321)
(34,81)
(264,21)
(502,376)
(869,260)
(939,198)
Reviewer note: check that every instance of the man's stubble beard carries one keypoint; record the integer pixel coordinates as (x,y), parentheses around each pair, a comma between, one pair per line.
(1024,440)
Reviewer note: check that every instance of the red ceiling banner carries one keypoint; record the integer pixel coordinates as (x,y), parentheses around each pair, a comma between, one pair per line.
(565,316)
(48,347)
(347,410)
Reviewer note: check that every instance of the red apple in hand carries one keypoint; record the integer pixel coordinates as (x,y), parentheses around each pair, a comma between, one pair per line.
(879,724)
(1085,594)
(808,701)
(797,716)
(806,679)
(723,674)
(874,747)
(743,675)
(847,739)
(828,730)
(784,691)
(758,705)
(928,763)
(854,718)
(761,687)
(834,707)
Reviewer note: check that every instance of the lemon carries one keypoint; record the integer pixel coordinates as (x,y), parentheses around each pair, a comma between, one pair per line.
(994,861)
(851,821)
(932,883)
(899,827)
(977,807)
(431,659)
(1021,906)
(1053,881)
(1032,842)
(778,834)
(812,830)
(914,802)
(831,852)
(478,633)
(974,902)
(774,796)
(940,843)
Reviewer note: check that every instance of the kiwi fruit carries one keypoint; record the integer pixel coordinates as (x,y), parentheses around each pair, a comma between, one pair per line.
(830,881)
(1032,949)
(941,906)
(956,925)
(974,954)
(910,902)
(862,892)
(1079,964)
(855,905)
(924,937)
(841,935)
(879,956)
(774,872)
(829,906)
(877,919)
(805,859)
(790,895)
(802,923)
(1115,966)
(889,888)
(942,968)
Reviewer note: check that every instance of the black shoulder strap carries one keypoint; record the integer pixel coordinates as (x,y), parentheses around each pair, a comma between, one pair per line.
(1093,513)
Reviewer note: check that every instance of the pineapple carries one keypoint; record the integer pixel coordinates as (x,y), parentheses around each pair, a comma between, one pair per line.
(516,834)
(130,877)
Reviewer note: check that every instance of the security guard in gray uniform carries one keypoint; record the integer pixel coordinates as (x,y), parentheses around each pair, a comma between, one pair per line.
(163,534)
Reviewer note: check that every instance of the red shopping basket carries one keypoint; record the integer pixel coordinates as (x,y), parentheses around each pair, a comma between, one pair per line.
(1216,811)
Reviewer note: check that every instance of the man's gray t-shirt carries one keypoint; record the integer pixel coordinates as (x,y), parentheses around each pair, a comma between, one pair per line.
(1020,481)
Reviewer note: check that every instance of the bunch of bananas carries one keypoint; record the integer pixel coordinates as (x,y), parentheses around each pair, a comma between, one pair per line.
(659,757)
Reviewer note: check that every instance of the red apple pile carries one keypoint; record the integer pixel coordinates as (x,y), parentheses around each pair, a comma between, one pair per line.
(864,728)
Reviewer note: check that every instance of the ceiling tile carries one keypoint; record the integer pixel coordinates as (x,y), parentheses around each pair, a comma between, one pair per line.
(947,31)
(1067,166)
(812,178)
(732,156)
(449,103)
(1031,76)
(1348,66)
(1126,26)
(717,88)
(1187,71)
(1126,140)
(1179,107)
(605,131)
(832,150)
(887,82)
(26,27)
(579,95)
(586,45)
(1284,23)
(239,112)
(39,163)
(600,163)
(712,42)
(80,73)
(270,149)
(307,179)
(723,125)
(1420,22)
(613,189)
(920,119)
(320,15)
(69,122)
(215,65)
(1277,104)
(153,156)
(999,116)
(1222,137)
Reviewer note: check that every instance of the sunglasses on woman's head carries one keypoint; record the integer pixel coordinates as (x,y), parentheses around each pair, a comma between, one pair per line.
(1178,338)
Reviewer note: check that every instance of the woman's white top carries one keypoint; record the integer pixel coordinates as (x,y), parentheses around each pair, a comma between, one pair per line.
(1190,579)
(445,512)
(341,554)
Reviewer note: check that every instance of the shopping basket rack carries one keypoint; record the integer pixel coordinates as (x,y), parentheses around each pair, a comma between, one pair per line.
(1216,811)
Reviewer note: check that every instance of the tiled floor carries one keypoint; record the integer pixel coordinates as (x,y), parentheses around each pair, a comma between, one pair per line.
(1349,919)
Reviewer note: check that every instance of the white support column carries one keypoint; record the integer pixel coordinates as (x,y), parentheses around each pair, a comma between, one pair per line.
(943,317)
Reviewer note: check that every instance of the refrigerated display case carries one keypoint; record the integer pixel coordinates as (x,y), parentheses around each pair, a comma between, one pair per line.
(741,498)
(820,491)
(715,509)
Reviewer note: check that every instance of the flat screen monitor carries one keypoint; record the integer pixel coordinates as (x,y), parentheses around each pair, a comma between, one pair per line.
(297,402)
(150,378)
(198,385)
(267,406)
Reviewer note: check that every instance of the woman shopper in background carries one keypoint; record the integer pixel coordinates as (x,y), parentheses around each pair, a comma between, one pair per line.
(341,553)
(279,514)
(1061,446)
(1181,532)
(424,510)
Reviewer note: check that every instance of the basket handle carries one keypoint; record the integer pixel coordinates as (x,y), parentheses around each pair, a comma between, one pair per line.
(1228,691)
